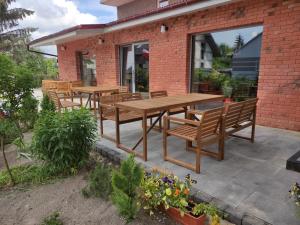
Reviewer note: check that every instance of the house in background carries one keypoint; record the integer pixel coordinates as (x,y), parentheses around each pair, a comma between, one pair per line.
(245,62)
(168,30)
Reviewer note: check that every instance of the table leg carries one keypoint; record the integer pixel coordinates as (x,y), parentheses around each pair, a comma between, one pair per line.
(145,136)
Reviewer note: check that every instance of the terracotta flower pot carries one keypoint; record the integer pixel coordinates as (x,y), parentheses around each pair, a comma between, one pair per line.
(228,100)
(187,219)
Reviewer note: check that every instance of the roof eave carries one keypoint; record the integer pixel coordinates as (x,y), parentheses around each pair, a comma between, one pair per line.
(132,22)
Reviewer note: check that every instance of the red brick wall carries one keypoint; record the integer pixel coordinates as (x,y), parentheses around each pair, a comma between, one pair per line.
(279,80)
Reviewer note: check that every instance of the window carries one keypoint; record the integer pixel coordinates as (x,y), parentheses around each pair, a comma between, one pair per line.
(162,3)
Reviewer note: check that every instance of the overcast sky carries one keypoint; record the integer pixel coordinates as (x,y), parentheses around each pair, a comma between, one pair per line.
(54,15)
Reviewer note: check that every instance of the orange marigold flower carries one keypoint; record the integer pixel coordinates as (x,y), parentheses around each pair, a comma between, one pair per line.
(186,191)
(177,192)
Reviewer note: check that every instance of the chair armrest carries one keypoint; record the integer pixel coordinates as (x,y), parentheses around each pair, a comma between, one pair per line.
(180,120)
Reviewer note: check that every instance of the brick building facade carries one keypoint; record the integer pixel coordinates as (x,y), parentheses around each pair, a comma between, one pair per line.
(169,57)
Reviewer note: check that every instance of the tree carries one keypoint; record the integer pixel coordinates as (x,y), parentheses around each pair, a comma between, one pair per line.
(238,43)
(6,128)
(224,61)
(9,36)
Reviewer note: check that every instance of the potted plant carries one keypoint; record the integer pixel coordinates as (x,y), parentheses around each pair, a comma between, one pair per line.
(167,192)
(227,91)
(295,194)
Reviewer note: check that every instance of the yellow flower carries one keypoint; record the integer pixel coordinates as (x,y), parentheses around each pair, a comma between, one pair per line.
(168,191)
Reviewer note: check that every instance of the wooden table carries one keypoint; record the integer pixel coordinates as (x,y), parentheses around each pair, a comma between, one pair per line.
(162,105)
(95,91)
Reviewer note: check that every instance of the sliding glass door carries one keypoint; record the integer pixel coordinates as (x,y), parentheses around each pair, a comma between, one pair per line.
(135,66)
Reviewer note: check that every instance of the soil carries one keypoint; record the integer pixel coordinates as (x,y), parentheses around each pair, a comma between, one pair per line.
(30,207)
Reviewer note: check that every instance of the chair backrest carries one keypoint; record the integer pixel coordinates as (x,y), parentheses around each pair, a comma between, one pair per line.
(232,114)
(77,83)
(63,86)
(210,122)
(249,110)
(158,94)
(132,97)
(110,100)
(53,96)
(48,85)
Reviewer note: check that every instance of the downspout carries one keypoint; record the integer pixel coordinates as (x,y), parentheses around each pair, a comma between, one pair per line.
(42,53)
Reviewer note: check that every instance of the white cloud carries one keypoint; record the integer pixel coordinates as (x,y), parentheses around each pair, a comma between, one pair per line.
(53,15)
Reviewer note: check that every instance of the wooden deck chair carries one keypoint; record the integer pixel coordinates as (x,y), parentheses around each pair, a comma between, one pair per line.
(61,104)
(204,132)
(64,89)
(164,93)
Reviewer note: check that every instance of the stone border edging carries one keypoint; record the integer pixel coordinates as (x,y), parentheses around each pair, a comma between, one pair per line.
(235,216)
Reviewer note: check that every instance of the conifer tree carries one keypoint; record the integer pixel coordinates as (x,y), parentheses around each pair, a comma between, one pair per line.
(125,184)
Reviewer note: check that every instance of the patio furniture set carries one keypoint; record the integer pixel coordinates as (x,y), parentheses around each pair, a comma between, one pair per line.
(199,129)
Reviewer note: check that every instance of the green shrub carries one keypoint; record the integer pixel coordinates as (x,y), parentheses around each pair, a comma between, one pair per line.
(126,183)
(53,219)
(99,182)
(63,140)
(29,111)
(47,105)
(28,175)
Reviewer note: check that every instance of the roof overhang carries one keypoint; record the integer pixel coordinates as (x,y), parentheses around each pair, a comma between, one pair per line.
(115,2)
(83,31)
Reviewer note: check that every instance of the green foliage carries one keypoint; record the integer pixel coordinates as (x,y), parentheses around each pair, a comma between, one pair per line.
(167,190)
(64,140)
(126,183)
(53,219)
(209,210)
(9,19)
(295,193)
(99,182)
(8,130)
(28,111)
(47,105)
(29,175)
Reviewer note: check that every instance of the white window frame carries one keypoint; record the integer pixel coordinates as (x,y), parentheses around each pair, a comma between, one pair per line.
(162,3)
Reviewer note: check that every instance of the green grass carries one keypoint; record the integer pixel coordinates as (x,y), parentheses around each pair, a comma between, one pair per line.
(29,175)
(53,219)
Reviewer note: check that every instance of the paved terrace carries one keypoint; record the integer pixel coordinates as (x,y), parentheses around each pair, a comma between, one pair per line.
(252,180)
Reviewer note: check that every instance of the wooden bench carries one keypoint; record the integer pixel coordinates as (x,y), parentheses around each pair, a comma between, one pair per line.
(61,104)
(239,116)
(204,132)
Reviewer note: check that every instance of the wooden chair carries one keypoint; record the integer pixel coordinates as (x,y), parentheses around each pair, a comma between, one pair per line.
(204,132)
(61,104)
(123,89)
(239,116)
(107,110)
(64,88)
(48,85)
(161,94)
(77,83)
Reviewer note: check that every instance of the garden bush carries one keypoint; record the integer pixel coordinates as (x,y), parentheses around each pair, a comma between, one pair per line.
(47,105)
(53,219)
(29,111)
(126,184)
(28,175)
(99,182)
(64,140)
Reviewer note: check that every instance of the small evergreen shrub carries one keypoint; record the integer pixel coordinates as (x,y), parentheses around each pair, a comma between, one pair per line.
(64,140)
(126,183)
(99,182)
(47,105)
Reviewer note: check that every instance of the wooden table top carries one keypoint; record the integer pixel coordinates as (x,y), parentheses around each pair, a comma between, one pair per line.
(95,89)
(165,103)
